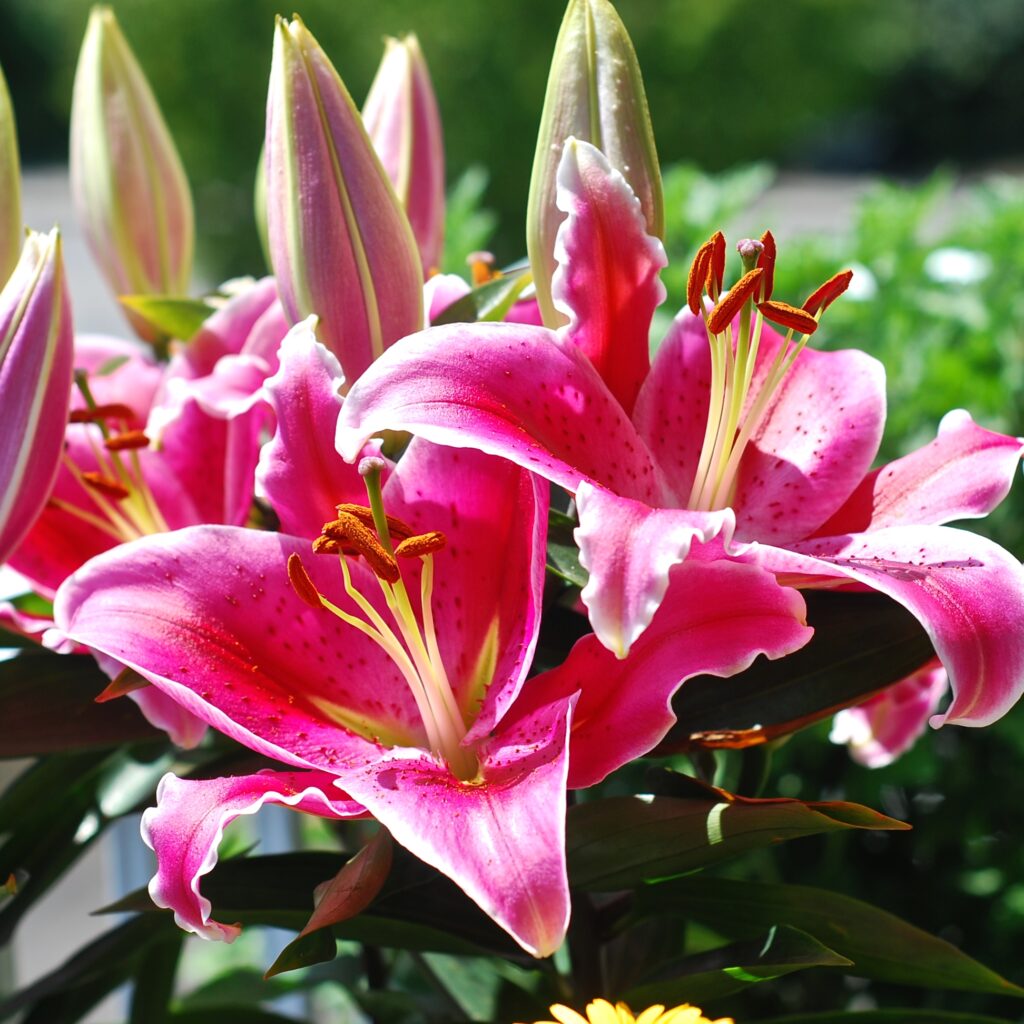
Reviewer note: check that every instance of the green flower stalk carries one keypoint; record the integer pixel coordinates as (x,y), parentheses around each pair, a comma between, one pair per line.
(11,233)
(595,94)
(127,181)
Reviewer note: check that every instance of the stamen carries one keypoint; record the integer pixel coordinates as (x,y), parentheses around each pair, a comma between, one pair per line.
(105,485)
(698,278)
(110,411)
(788,316)
(397,527)
(350,532)
(482,267)
(716,272)
(422,544)
(821,299)
(766,261)
(127,440)
(329,546)
(301,583)
(722,315)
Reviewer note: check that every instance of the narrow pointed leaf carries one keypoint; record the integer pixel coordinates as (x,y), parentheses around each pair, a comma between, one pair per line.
(622,841)
(880,945)
(705,976)
(171,315)
(351,891)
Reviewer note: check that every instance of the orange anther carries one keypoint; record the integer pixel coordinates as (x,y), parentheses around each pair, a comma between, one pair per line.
(482,268)
(698,276)
(788,316)
(329,546)
(722,315)
(111,411)
(422,544)
(828,292)
(106,485)
(301,583)
(766,261)
(351,534)
(716,271)
(129,439)
(398,528)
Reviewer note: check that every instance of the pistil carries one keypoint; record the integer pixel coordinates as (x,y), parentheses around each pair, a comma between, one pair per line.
(409,640)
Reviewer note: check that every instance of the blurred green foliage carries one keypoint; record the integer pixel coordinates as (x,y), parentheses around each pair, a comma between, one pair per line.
(826,83)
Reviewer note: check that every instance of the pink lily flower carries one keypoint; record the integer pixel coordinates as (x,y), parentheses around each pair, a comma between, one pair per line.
(140,457)
(735,442)
(393,683)
(885,726)
(35,379)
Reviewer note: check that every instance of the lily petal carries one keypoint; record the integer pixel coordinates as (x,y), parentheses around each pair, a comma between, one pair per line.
(967,592)
(963,474)
(629,549)
(187,824)
(486,622)
(207,614)
(715,619)
(299,472)
(883,727)
(518,392)
(500,837)
(607,281)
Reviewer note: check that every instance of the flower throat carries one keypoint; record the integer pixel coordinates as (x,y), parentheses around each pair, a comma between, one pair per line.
(410,641)
(734,324)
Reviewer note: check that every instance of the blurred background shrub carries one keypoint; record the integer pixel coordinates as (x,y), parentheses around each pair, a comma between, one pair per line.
(825,84)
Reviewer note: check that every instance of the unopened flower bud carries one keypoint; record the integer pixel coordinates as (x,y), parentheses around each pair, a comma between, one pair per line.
(35,384)
(340,243)
(11,233)
(595,93)
(128,185)
(404,125)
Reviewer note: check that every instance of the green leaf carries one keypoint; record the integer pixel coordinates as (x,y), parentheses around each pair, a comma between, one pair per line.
(49,707)
(490,301)
(176,316)
(70,991)
(705,976)
(880,945)
(861,643)
(350,892)
(154,980)
(417,909)
(229,1015)
(43,837)
(621,841)
(888,1017)
(563,554)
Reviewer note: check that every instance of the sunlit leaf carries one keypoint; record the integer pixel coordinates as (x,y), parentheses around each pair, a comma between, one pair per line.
(175,316)
(619,842)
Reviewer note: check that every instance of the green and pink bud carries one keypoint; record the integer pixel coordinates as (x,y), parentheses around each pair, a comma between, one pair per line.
(35,384)
(404,124)
(594,94)
(127,181)
(341,246)
(11,232)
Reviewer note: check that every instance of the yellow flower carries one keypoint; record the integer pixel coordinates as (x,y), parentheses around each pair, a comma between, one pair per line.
(600,1011)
